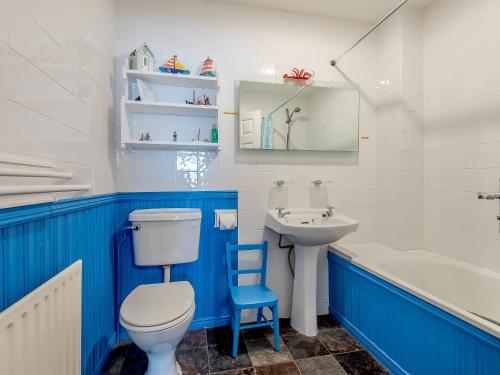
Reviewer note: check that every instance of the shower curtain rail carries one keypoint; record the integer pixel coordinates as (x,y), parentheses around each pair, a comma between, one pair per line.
(335,61)
(287,101)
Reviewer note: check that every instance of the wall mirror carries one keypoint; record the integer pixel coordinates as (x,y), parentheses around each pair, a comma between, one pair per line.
(280,116)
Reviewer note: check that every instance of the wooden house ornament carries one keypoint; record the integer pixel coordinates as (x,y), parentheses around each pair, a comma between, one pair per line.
(142,59)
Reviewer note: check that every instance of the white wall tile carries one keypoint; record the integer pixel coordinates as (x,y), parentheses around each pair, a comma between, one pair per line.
(47,116)
(23,32)
(461,131)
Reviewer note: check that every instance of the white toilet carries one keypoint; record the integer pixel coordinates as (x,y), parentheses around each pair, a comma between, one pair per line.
(156,316)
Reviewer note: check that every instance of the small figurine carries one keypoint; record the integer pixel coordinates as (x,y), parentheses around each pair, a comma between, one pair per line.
(196,135)
(199,101)
(194,100)
(208,68)
(173,65)
(299,75)
(205,100)
(175,136)
(145,137)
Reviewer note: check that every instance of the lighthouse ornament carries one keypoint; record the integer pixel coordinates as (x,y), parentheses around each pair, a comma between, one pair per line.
(208,68)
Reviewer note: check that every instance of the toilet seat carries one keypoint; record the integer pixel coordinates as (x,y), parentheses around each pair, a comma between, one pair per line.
(153,329)
(155,307)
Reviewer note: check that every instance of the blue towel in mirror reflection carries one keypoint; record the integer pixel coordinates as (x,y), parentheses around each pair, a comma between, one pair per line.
(267,133)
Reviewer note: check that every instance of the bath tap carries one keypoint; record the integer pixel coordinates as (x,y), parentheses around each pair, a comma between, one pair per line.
(488,196)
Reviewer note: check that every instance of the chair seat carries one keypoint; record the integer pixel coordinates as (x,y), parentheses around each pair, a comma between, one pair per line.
(248,296)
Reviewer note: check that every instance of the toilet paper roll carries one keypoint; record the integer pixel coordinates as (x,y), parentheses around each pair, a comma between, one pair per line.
(227,221)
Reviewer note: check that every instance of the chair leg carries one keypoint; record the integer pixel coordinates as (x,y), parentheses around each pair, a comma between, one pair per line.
(276,327)
(259,315)
(236,331)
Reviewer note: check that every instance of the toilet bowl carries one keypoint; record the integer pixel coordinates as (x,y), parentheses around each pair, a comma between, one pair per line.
(156,317)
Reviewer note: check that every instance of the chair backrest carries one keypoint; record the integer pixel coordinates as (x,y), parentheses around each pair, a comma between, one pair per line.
(232,262)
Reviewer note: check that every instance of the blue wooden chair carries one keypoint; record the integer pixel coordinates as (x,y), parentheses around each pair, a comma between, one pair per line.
(250,296)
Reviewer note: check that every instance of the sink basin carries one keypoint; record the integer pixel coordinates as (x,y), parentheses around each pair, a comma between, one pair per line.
(307,227)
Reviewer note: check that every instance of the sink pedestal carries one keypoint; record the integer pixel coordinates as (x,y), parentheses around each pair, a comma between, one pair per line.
(304,318)
(308,229)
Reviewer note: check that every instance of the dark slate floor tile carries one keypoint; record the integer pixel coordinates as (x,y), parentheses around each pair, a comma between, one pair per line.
(134,365)
(285,327)
(219,357)
(325,365)
(257,333)
(326,322)
(338,340)
(135,351)
(116,358)
(287,368)
(262,352)
(220,335)
(193,361)
(240,371)
(193,339)
(361,363)
(301,346)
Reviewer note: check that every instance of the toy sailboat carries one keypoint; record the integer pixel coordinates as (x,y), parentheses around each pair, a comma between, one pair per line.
(208,69)
(173,65)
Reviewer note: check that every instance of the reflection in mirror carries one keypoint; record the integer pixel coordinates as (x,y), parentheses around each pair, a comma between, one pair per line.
(277,116)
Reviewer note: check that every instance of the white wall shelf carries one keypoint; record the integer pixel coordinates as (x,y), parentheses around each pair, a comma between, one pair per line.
(172,88)
(195,146)
(175,109)
(158,78)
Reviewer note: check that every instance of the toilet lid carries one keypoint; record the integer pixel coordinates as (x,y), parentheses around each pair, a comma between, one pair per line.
(157,304)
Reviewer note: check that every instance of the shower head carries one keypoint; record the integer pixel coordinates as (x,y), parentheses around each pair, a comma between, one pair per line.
(289,116)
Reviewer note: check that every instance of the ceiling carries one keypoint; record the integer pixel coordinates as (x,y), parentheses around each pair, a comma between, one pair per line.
(358,10)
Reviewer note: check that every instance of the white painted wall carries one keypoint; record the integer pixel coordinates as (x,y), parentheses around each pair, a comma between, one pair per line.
(55,85)
(462,129)
(248,41)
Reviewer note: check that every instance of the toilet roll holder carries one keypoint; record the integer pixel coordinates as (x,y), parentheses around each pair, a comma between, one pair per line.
(219,213)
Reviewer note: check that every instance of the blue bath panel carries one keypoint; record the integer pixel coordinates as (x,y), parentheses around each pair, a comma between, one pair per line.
(38,241)
(407,334)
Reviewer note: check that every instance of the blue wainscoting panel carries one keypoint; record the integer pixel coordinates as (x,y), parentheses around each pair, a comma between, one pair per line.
(39,241)
(207,274)
(407,334)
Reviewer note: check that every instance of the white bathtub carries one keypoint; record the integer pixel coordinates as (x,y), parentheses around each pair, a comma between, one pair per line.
(466,291)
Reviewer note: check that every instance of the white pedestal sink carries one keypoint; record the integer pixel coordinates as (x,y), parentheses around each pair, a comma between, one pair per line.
(308,229)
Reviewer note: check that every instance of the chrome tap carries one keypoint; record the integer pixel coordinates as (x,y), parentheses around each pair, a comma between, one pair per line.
(282,213)
(328,214)
(488,196)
